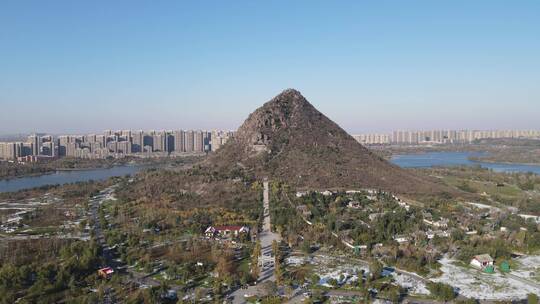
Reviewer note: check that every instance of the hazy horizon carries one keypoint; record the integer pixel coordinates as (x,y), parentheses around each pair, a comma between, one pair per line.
(73,67)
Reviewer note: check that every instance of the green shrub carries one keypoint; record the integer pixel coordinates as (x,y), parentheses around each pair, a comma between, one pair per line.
(442,291)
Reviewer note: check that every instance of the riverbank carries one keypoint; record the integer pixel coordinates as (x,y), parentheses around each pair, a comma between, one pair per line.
(490,161)
(68,175)
(507,151)
(13,170)
(83,169)
(27,175)
(53,171)
(453,159)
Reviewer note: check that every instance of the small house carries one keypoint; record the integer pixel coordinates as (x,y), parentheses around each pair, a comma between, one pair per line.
(106,272)
(225,231)
(401,239)
(427,215)
(327,193)
(442,223)
(442,233)
(482,261)
(354,205)
(404,205)
(301,194)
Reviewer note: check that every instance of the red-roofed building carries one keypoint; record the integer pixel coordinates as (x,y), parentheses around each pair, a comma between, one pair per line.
(106,272)
(225,231)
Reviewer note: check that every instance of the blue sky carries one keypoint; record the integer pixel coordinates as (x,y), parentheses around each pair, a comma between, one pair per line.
(84,66)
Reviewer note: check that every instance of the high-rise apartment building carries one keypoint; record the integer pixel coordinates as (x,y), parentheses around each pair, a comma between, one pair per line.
(179,141)
(372,138)
(219,138)
(10,150)
(49,149)
(161,142)
(34,142)
(198,141)
(189,141)
(444,136)
(137,141)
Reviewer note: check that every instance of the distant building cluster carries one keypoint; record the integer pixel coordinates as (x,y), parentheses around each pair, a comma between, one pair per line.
(115,144)
(442,136)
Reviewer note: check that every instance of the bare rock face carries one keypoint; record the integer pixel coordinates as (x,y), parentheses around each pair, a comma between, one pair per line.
(259,131)
(289,139)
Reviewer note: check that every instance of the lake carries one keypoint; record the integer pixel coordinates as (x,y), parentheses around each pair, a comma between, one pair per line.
(423,160)
(446,159)
(65,177)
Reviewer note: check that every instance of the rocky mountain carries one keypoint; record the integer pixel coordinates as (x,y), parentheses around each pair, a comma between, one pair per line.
(289,139)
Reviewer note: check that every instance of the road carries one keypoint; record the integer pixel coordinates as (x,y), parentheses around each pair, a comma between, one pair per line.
(266,237)
(95,202)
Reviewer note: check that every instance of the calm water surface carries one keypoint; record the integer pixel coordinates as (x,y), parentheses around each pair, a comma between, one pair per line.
(424,160)
(446,159)
(65,177)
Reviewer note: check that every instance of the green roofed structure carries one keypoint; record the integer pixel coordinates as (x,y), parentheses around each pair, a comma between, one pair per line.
(504,267)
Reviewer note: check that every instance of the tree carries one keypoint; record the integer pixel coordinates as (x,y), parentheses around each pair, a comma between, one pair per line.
(255,260)
(217,287)
(442,291)
(361,284)
(457,235)
(306,247)
(317,296)
(375,269)
(278,272)
(269,288)
(245,278)
(314,279)
(466,187)
(225,265)
(275,248)
(532,298)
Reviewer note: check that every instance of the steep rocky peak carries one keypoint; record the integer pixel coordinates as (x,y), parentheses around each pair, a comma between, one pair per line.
(289,139)
(286,111)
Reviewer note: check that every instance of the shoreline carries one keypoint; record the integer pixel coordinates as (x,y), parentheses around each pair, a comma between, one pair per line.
(9,178)
(471,158)
(489,161)
(84,169)
(57,170)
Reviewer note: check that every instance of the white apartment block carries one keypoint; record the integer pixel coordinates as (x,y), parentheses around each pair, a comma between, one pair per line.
(442,136)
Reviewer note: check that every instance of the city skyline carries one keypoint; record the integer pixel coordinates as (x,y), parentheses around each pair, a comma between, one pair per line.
(371,67)
(386,130)
(160,143)
(114,143)
(211,129)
